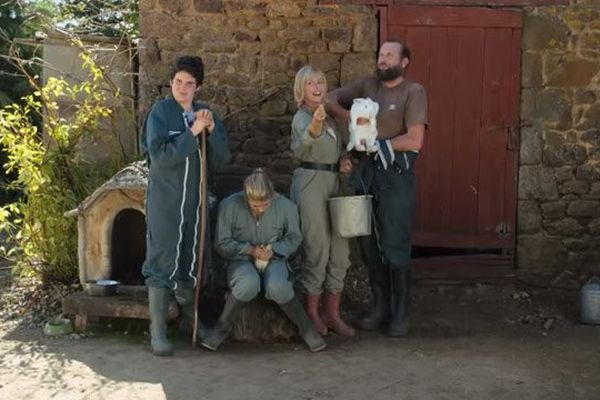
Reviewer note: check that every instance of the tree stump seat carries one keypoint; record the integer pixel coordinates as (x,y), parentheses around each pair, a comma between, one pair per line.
(263,321)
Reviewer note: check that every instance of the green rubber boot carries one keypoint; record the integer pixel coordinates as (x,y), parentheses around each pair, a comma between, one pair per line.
(158,299)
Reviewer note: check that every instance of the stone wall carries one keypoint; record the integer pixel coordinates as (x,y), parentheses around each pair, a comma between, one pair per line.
(252,50)
(559,174)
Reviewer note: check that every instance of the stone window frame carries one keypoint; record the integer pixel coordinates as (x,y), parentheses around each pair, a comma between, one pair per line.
(482,3)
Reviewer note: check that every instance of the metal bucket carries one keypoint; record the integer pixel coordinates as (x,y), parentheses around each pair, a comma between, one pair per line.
(351,215)
(590,302)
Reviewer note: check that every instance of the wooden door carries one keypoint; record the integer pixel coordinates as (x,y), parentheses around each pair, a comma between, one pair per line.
(468,59)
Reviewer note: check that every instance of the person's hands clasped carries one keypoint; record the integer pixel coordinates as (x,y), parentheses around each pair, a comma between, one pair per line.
(204,121)
(260,252)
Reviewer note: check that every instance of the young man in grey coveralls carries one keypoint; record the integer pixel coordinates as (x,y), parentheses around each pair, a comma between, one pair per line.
(389,176)
(169,142)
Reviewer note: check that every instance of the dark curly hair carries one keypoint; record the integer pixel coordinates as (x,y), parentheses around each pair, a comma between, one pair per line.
(193,65)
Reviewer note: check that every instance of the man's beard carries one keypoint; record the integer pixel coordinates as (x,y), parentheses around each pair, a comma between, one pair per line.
(389,74)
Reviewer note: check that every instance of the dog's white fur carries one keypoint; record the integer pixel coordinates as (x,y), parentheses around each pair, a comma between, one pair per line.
(261,265)
(361,135)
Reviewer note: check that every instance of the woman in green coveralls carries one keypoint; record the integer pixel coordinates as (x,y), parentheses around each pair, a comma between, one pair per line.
(318,145)
(169,141)
(257,231)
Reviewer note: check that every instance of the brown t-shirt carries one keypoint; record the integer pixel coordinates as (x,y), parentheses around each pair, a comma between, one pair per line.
(400,107)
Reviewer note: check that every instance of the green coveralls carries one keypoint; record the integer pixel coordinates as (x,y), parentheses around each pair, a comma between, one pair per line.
(327,255)
(238,230)
(173,193)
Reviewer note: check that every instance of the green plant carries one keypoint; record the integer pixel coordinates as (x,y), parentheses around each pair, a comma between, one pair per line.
(49,171)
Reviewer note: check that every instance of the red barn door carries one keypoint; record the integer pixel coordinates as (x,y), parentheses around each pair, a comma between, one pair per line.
(468,59)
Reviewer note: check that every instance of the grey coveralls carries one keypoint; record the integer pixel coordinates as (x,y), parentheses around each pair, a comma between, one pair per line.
(238,230)
(327,255)
(173,193)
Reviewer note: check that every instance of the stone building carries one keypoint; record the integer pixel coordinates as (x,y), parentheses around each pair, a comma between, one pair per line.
(252,49)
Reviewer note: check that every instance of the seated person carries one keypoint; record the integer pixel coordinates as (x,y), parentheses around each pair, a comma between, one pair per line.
(257,231)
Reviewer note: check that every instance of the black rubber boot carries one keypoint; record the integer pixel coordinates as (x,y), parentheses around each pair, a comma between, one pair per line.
(158,299)
(185,299)
(379,315)
(213,339)
(294,311)
(400,284)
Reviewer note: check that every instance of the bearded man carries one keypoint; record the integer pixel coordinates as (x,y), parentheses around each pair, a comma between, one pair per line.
(389,175)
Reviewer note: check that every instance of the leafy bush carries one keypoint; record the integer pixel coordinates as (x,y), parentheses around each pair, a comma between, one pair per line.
(49,171)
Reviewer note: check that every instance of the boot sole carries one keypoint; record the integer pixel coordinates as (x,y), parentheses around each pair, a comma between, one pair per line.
(209,347)
(317,349)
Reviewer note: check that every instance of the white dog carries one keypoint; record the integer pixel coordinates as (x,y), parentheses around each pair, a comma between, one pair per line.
(363,137)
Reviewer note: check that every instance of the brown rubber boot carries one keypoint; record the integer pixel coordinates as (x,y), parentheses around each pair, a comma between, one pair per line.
(331,315)
(311,305)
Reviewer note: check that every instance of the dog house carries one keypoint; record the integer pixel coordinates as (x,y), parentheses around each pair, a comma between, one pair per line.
(112,228)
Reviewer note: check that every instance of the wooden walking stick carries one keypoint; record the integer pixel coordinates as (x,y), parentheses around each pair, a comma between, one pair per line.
(203,217)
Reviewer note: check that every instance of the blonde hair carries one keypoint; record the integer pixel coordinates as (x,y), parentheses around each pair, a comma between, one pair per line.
(258,186)
(303,75)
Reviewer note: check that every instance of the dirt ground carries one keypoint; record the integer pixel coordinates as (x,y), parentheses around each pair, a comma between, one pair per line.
(476,341)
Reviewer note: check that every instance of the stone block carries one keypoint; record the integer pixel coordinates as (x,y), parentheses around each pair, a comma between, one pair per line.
(175,6)
(595,190)
(209,6)
(365,35)
(339,47)
(257,23)
(531,70)
(540,252)
(591,118)
(252,160)
(544,32)
(260,145)
(584,208)
(553,209)
(356,66)
(584,96)
(588,172)
(569,71)
(299,32)
(245,7)
(528,97)
(578,244)
(565,154)
(273,108)
(317,11)
(537,183)
(594,227)
(564,227)
(553,108)
(245,35)
(590,40)
(575,187)
(566,173)
(336,34)
(307,46)
(297,61)
(325,62)
(283,8)
(529,217)
(530,152)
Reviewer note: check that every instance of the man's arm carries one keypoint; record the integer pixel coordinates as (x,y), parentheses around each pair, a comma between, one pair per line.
(412,140)
(338,101)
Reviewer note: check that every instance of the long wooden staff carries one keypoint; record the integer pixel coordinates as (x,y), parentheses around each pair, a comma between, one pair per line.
(201,245)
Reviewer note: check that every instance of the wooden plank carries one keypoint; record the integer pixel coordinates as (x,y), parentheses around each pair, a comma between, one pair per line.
(493,140)
(418,40)
(512,157)
(383,24)
(467,126)
(437,180)
(472,267)
(120,306)
(454,17)
(462,241)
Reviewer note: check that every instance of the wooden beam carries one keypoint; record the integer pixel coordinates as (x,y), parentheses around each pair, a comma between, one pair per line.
(461,3)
